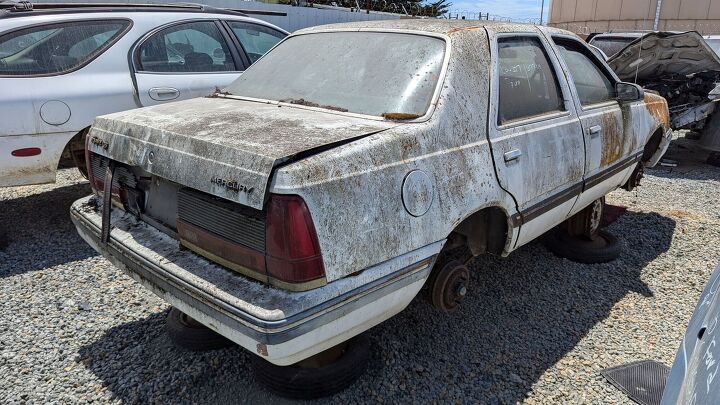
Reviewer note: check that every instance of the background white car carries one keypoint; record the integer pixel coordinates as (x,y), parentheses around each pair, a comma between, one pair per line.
(63,65)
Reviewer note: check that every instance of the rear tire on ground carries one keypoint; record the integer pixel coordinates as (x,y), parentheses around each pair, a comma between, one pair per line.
(321,375)
(189,334)
(602,248)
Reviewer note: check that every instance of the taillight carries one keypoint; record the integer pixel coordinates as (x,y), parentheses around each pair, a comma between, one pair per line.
(124,190)
(88,165)
(292,248)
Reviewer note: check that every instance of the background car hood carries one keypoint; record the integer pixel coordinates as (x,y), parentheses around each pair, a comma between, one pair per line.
(660,54)
(225,147)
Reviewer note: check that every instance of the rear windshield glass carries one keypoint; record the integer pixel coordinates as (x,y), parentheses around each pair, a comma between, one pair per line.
(56,48)
(373,73)
(611,45)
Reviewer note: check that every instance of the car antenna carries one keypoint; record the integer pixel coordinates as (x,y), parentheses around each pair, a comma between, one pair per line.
(637,67)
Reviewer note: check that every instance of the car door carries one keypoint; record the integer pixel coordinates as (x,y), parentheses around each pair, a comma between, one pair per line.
(185,60)
(254,39)
(534,133)
(608,143)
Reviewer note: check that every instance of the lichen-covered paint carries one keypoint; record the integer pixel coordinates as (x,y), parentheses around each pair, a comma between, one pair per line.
(354,189)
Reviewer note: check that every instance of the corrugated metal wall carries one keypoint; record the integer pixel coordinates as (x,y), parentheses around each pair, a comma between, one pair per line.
(588,16)
(297,17)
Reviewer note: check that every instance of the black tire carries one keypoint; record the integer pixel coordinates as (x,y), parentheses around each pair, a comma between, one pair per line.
(309,383)
(604,248)
(191,335)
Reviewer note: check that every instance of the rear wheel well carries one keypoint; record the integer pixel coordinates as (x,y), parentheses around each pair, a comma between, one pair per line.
(74,153)
(482,232)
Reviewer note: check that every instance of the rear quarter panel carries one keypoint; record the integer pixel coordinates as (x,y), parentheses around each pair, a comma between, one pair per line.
(354,192)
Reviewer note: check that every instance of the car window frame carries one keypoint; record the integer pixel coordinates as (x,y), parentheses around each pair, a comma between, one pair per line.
(95,54)
(565,91)
(246,58)
(602,65)
(135,49)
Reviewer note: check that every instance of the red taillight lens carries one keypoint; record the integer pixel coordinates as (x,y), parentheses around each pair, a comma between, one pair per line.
(292,248)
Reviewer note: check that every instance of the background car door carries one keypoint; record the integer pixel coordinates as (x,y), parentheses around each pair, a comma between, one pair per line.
(607,141)
(185,60)
(536,137)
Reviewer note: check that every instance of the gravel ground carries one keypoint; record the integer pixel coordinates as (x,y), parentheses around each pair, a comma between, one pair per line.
(534,328)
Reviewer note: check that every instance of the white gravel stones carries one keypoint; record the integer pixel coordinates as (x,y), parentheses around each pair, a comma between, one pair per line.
(533,329)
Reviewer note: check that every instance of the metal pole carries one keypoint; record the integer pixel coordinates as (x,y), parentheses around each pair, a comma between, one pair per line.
(542,8)
(657,15)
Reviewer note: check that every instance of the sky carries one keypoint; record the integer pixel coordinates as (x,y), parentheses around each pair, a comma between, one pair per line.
(506,8)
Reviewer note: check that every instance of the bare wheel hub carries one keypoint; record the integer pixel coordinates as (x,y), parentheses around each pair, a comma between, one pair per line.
(449,286)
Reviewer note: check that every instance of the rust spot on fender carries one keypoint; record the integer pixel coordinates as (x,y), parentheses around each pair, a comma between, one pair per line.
(408,144)
(262,349)
(613,139)
(658,108)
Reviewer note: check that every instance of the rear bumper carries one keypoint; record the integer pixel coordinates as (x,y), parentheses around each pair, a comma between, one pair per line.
(283,327)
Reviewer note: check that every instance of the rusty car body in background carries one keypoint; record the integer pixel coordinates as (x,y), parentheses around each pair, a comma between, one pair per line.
(309,200)
(680,66)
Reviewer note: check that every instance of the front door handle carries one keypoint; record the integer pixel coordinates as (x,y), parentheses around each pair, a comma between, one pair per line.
(512,155)
(163,93)
(595,130)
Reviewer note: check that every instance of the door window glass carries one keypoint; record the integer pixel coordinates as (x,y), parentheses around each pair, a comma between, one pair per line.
(592,85)
(194,47)
(56,48)
(527,83)
(255,39)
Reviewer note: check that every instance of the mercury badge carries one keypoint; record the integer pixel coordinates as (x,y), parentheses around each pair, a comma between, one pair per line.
(231,185)
(100,142)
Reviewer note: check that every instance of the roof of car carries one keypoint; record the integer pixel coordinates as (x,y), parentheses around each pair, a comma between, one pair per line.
(27,8)
(441,26)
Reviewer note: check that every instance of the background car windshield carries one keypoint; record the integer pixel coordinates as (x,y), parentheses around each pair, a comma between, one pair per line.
(714,44)
(55,48)
(611,45)
(372,73)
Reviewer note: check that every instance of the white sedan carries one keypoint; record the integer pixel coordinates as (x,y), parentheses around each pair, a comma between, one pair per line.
(62,66)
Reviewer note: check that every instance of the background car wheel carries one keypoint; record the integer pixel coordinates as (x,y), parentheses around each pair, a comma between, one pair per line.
(602,248)
(190,334)
(324,374)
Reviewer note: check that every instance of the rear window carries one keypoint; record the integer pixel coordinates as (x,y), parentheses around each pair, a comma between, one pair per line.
(56,48)
(372,73)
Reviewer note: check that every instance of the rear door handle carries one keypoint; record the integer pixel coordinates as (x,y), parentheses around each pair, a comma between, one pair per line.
(512,155)
(163,93)
(595,130)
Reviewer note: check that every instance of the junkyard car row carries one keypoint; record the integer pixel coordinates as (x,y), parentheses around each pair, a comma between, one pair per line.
(310,199)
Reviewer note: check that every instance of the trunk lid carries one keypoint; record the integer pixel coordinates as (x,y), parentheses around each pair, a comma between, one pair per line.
(663,54)
(225,147)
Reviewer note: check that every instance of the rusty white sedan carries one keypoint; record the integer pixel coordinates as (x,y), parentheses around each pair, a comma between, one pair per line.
(356,164)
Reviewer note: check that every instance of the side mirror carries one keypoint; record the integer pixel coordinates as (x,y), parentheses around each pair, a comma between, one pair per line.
(627,92)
